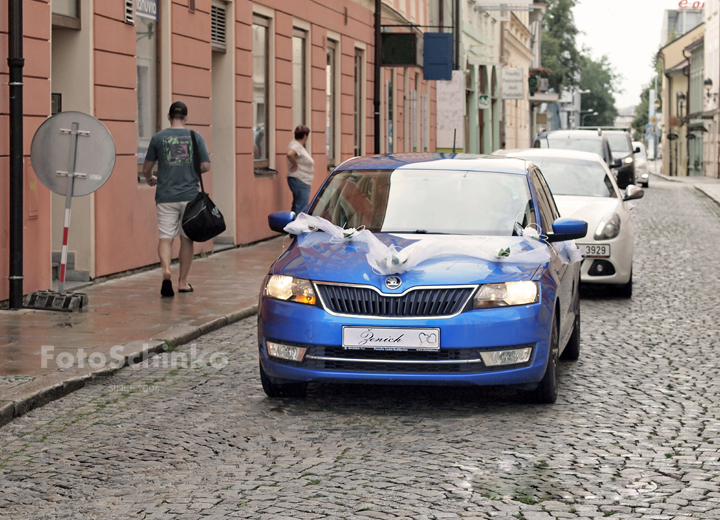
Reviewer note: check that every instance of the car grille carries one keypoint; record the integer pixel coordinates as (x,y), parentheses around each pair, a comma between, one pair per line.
(443,361)
(420,303)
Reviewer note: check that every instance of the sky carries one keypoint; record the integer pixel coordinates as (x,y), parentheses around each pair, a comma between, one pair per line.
(628,32)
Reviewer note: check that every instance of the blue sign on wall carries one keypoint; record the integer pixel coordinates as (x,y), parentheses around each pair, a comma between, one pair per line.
(438,56)
(147,9)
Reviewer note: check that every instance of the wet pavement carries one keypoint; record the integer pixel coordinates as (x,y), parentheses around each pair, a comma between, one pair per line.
(37,344)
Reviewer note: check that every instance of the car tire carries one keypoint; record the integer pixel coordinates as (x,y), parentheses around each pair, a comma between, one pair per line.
(572,349)
(625,290)
(547,391)
(281,390)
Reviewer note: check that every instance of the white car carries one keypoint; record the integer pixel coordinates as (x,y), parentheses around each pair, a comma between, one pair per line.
(641,165)
(584,188)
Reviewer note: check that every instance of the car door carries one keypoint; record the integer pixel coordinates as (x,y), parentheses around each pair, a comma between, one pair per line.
(561,266)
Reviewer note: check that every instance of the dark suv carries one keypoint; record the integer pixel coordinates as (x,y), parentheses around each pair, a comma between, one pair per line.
(610,145)
(623,160)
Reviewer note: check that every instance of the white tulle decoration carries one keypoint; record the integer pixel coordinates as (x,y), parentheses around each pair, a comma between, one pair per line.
(386,260)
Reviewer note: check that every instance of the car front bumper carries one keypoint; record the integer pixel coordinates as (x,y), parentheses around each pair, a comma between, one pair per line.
(621,254)
(457,362)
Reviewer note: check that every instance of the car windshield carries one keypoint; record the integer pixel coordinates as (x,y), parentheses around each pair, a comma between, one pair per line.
(619,143)
(581,145)
(426,201)
(574,177)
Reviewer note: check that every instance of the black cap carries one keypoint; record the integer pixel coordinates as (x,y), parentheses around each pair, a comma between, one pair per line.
(178,109)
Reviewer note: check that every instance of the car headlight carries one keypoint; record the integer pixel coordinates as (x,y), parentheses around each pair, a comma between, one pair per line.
(506,294)
(609,227)
(289,289)
(628,160)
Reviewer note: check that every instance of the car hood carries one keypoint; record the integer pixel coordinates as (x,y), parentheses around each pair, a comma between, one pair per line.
(621,155)
(346,262)
(590,209)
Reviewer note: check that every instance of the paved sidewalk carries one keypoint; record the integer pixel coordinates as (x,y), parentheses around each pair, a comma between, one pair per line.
(707,185)
(127,314)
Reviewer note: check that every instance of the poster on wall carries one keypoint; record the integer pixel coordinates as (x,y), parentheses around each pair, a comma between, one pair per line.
(450,113)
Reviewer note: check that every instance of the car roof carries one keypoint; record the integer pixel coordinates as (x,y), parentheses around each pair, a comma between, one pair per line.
(574,134)
(437,161)
(559,153)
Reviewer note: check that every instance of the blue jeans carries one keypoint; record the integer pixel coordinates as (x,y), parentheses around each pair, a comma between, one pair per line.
(301,194)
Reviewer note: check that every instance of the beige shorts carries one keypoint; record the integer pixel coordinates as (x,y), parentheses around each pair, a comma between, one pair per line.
(169,215)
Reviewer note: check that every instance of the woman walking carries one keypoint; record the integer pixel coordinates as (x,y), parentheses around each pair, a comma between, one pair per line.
(300,169)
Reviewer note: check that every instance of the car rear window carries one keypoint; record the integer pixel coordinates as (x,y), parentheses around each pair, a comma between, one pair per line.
(574,177)
(426,201)
(581,145)
(619,143)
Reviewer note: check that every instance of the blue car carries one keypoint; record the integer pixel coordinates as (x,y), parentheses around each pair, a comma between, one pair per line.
(424,269)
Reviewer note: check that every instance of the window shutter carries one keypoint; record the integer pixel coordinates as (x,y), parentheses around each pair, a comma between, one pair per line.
(218,37)
(130,12)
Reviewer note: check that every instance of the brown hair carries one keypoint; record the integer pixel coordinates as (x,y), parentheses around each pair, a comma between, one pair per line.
(301,131)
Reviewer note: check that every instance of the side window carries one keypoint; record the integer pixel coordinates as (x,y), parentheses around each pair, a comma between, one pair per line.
(550,198)
(542,199)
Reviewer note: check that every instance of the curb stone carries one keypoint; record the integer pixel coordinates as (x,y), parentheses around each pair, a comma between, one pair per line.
(50,387)
(698,187)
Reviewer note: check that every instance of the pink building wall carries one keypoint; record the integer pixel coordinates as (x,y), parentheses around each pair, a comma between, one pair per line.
(126,233)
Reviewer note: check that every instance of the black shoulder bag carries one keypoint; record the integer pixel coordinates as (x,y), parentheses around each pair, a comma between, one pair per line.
(202,220)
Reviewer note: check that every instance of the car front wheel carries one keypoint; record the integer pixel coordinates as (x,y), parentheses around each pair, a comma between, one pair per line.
(546,392)
(572,349)
(625,290)
(281,389)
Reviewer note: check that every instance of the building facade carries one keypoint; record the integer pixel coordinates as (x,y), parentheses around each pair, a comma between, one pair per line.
(674,101)
(711,81)
(249,72)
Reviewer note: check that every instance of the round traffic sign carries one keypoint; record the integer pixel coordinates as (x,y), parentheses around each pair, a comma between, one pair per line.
(52,155)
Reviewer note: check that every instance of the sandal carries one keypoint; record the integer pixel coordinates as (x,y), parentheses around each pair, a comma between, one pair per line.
(166,290)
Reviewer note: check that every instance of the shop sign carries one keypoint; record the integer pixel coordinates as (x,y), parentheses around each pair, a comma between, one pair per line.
(513,84)
(147,9)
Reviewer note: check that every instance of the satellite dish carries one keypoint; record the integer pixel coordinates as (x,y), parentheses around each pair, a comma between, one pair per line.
(91,148)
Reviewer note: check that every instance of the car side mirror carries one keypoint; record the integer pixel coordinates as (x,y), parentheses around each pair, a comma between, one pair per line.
(278,220)
(637,150)
(567,229)
(633,192)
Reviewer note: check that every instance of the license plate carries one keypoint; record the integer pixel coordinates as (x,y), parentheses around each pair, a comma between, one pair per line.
(596,251)
(358,338)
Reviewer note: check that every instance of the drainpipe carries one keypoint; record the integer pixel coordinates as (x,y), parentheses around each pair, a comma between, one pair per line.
(378,70)
(16,63)
(687,114)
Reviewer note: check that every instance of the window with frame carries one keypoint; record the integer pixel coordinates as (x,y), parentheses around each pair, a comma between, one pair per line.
(299,50)
(330,93)
(261,91)
(146,35)
(65,13)
(358,98)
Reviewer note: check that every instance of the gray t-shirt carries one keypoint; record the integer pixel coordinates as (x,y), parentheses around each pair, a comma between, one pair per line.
(176,177)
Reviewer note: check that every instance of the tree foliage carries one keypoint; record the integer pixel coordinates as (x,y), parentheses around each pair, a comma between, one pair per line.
(642,110)
(559,51)
(603,82)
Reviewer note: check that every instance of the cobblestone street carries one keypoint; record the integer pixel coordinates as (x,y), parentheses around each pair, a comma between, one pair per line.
(634,433)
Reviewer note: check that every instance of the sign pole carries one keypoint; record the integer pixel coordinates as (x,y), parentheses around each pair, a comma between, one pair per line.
(68,200)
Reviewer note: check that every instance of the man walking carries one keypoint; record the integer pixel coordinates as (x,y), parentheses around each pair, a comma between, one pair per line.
(177,184)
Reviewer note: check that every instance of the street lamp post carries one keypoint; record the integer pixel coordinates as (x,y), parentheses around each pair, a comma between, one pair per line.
(585,115)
